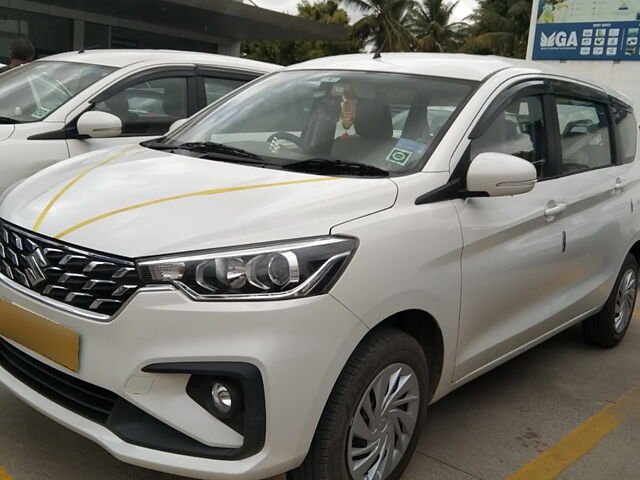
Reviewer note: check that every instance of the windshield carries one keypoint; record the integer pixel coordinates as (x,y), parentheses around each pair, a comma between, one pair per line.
(326,121)
(31,93)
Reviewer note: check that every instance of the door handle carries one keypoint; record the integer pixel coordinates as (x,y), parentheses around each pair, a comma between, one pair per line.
(554,209)
(620,185)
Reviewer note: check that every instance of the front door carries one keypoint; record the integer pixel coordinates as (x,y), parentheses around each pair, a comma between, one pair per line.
(513,246)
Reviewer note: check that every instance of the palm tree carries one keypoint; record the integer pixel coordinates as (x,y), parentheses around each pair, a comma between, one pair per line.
(500,28)
(386,24)
(433,29)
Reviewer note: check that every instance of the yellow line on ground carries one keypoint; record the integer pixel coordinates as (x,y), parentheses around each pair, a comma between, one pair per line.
(551,463)
(4,475)
(66,188)
(216,191)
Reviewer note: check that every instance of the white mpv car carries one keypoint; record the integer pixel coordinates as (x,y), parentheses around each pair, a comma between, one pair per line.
(75,102)
(288,280)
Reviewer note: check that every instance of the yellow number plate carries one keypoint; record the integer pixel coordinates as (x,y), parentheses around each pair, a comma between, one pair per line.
(40,335)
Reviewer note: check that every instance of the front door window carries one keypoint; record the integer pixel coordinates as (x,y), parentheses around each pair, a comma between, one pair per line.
(149,107)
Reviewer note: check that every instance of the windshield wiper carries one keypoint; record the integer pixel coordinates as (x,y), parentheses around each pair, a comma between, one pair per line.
(204,148)
(323,165)
(8,120)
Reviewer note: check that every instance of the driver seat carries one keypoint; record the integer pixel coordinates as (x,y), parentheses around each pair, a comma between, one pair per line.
(374,133)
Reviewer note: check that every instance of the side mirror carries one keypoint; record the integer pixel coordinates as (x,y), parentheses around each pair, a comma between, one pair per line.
(99,125)
(177,124)
(500,175)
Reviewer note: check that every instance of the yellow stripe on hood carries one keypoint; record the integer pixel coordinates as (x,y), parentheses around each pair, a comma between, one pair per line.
(187,195)
(66,188)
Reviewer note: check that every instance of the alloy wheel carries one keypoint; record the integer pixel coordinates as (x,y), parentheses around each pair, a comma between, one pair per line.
(625,301)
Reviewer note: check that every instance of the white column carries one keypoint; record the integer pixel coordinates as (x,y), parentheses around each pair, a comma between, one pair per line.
(231,49)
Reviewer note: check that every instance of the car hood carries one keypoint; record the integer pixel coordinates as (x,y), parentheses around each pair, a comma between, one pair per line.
(137,202)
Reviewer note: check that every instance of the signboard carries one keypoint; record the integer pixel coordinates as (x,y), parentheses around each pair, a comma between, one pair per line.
(587,30)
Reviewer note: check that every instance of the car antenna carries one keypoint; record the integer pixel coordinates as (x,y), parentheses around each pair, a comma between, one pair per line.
(91,47)
(378,53)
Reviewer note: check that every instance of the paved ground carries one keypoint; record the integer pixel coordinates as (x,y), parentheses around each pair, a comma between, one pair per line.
(488,429)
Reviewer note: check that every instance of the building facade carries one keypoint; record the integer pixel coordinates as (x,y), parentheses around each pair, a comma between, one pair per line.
(213,26)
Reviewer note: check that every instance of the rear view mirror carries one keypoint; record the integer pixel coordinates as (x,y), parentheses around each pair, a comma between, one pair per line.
(99,125)
(500,175)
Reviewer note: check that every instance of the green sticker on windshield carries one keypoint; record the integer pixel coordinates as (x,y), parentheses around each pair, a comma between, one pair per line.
(399,156)
(40,113)
(405,150)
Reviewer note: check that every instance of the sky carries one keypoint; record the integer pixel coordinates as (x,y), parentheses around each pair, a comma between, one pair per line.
(289,6)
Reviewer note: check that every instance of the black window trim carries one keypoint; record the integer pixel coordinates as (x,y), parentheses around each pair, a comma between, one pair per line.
(524,88)
(225,73)
(144,76)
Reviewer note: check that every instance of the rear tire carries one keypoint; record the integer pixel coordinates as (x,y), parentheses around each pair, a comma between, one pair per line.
(382,393)
(608,327)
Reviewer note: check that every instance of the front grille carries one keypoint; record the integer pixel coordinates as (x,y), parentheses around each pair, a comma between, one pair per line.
(90,401)
(86,280)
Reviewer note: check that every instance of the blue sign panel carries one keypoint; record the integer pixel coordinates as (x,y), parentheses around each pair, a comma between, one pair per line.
(587,30)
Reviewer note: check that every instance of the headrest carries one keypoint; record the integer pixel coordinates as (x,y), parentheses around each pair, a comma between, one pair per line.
(373,118)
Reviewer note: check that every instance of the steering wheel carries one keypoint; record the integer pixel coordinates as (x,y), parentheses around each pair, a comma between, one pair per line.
(289,137)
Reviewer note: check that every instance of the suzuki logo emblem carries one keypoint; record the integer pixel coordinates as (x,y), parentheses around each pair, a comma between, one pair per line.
(35,271)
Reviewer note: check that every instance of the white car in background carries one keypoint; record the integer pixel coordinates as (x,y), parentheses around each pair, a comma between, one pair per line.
(288,280)
(71,103)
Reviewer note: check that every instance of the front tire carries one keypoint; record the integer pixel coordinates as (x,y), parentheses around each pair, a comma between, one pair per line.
(608,327)
(372,420)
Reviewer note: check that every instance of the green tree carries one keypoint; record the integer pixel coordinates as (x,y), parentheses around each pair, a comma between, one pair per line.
(386,24)
(290,52)
(433,29)
(500,27)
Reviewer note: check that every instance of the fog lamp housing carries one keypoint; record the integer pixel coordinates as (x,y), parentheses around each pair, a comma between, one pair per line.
(240,393)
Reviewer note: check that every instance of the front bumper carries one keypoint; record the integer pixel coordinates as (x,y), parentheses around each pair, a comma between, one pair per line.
(299,347)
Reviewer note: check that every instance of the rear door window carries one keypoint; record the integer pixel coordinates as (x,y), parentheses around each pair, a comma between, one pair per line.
(585,136)
(216,88)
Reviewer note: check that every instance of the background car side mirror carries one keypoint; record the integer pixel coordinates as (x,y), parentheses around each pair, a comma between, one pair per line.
(499,175)
(177,124)
(99,125)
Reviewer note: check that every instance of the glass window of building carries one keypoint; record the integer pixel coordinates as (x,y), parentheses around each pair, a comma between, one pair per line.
(48,34)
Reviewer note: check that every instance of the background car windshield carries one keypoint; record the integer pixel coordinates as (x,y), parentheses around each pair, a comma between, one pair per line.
(382,120)
(31,93)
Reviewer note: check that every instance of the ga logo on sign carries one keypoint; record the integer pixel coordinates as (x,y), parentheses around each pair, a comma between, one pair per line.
(559,39)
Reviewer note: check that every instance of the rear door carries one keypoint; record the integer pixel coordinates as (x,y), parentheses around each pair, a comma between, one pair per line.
(598,219)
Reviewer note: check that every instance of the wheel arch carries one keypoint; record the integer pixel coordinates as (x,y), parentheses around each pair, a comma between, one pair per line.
(422,326)
(635,250)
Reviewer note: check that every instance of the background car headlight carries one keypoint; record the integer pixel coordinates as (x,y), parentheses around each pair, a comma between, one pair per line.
(270,271)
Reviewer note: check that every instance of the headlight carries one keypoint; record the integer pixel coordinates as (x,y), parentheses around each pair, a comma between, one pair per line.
(270,271)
